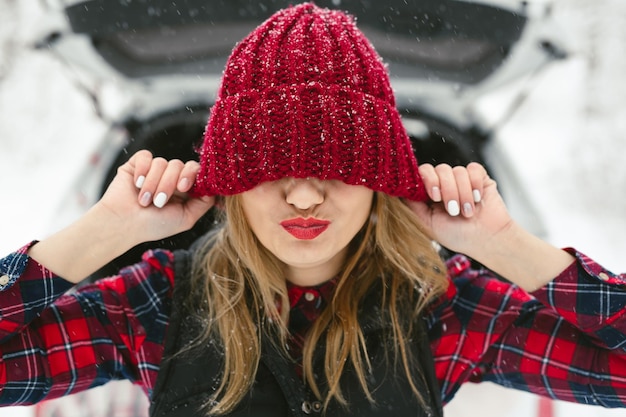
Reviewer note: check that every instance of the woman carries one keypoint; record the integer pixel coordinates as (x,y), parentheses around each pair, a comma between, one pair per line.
(322,292)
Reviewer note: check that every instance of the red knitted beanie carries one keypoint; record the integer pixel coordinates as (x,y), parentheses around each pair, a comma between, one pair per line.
(306,95)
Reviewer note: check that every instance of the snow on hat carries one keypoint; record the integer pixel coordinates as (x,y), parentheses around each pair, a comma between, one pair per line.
(306,95)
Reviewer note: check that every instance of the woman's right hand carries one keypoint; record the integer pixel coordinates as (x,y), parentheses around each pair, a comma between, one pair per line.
(151,195)
(147,200)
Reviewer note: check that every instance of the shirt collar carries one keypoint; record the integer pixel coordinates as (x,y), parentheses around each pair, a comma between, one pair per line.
(325,290)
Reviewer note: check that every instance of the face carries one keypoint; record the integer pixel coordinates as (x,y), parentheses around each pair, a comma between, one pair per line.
(307,223)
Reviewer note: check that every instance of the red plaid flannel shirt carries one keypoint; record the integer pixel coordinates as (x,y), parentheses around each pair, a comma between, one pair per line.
(306,305)
(566,340)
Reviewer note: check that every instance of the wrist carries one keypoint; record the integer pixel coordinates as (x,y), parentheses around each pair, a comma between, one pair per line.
(86,245)
(108,226)
(522,258)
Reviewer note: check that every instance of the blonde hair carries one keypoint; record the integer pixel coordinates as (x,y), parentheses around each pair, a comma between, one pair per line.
(243,288)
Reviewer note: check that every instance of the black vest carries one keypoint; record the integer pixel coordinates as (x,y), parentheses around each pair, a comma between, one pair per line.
(186,381)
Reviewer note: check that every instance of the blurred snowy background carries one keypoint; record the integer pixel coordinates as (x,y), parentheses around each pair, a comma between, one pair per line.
(567,142)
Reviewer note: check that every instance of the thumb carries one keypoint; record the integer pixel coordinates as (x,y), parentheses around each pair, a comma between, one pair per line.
(423,211)
(196,207)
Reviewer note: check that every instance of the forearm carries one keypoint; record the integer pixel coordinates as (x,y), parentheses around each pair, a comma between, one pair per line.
(85,246)
(522,258)
(107,325)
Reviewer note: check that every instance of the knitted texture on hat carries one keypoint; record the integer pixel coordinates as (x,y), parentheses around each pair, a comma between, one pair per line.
(306,95)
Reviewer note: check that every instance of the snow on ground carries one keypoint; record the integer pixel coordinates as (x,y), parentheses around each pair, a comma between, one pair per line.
(567,143)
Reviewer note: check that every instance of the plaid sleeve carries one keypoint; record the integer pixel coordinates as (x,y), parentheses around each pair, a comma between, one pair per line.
(591,298)
(21,302)
(470,318)
(56,342)
(566,341)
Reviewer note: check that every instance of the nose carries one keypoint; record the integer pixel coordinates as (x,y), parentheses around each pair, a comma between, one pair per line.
(304,193)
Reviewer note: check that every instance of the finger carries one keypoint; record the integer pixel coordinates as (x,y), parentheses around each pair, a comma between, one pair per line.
(464,187)
(188,176)
(478,175)
(431,181)
(140,162)
(151,181)
(197,207)
(423,212)
(449,190)
(168,182)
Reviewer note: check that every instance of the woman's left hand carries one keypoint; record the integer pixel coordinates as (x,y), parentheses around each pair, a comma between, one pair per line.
(466,208)
(467,215)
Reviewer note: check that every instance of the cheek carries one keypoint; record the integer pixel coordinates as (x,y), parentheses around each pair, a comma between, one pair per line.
(258,208)
(362,206)
(360,217)
(255,203)
(358,209)
(251,213)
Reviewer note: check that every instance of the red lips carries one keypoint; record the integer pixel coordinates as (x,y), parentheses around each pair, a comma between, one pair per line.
(305,229)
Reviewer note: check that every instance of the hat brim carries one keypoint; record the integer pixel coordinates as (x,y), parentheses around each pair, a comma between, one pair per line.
(307,130)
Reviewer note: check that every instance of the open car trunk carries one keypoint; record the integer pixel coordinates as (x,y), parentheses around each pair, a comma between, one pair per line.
(443,55)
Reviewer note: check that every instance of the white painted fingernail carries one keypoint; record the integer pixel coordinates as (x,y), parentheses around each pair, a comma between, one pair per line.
(140,181)
(145,199)
(453,208)
(160,200)
(477,196)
